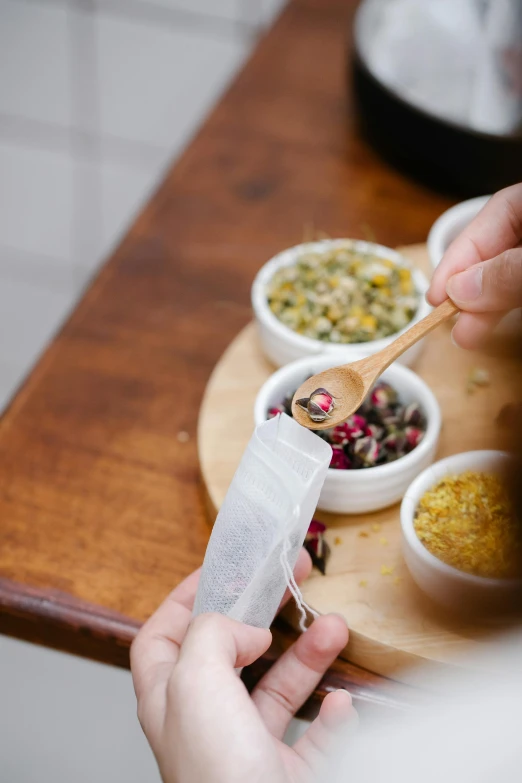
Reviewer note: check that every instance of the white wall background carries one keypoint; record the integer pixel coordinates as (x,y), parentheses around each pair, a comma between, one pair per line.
(97,97)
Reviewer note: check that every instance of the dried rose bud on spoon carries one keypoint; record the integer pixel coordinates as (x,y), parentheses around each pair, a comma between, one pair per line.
(318,405)
(313,404)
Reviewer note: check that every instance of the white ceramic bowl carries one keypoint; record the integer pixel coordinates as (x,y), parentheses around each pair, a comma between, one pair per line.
(445,584)
(368,489)
(282,345)
(448,226)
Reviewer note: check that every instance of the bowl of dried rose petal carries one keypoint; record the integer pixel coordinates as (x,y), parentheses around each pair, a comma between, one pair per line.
(339,296)
(461,541)
(380,449)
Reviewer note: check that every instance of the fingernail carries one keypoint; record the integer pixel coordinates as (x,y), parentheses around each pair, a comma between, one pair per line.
(466,286)
(455,343)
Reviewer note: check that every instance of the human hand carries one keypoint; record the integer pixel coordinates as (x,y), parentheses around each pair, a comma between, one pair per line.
(197,715)
(481,271)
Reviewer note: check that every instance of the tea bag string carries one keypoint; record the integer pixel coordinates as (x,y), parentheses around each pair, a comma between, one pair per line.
(292,585)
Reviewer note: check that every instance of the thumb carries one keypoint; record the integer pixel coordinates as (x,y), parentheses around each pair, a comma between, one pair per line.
(491,286)
(219,639)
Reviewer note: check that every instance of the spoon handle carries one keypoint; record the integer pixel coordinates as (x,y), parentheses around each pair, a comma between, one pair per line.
(376,364)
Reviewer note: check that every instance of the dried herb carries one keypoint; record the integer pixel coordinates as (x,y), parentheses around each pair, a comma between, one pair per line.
(467,521)
(318,405)
(343,296)
(476,377)
(316,545)
(382,430)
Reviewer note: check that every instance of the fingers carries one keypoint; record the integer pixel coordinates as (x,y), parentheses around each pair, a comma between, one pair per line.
(290,681)
(493,286)
(497,227)
(472,329)
(156,647)
(328,730)
(213,638)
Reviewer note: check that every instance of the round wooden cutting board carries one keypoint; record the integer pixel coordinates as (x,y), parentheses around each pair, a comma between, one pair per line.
(393,628)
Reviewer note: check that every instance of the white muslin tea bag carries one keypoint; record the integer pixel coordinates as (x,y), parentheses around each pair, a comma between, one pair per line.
(262,524)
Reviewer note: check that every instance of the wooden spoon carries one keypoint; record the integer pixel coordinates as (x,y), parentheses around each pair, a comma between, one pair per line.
(350,383)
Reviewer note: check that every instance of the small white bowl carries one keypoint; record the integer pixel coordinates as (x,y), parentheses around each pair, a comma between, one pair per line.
(282,345)
(448,226)
(367,489)
(446,585)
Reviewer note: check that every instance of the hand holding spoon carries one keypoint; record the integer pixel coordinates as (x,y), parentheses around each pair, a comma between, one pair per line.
(350,383)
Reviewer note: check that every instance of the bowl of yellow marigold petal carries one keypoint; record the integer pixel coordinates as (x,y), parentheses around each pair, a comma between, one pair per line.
(461,540)
(339,296)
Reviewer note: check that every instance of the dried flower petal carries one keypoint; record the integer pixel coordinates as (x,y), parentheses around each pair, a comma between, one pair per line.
(315,411)
(375,430)
(388,430)
(316,527)
(413,415)
(383,395)
(467,521)
(413,437)
(395,443)
(323,399)
(354,427)
(316,545)
(340,461)
(366,450)
(339,295)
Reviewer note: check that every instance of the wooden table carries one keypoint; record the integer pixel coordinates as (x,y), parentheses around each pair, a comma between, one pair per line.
(100,506)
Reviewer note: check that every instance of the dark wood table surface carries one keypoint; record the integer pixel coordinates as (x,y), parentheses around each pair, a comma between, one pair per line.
(101,511)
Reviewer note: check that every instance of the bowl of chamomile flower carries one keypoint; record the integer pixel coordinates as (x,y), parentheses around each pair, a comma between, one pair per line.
(340,296)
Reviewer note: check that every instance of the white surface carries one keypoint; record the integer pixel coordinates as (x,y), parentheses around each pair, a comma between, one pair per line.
(444,584)
(36,201)
(32,34)
(448,226)
(94,103)
(226,9)
(156,102)
(123,191)
(65,720)
(361,491)
(22,306)
(282,345)
(11,377)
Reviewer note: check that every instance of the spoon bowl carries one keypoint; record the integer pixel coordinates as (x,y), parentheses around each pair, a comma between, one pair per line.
(351,383)
(347,387)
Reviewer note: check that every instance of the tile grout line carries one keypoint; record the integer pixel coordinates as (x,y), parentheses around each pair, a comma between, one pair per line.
(23,131)
(158,14)
(87,218)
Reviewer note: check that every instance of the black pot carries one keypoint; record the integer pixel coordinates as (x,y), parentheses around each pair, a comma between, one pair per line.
(439,153)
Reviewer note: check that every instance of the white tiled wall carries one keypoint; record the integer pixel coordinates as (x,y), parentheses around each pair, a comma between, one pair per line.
(96,98)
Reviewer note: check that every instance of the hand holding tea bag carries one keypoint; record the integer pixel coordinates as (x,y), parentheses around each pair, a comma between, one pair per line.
(262,524)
